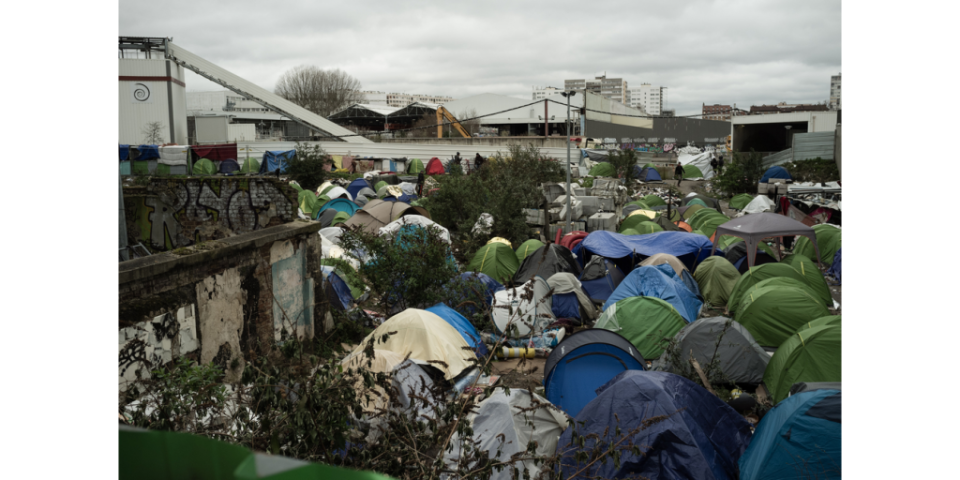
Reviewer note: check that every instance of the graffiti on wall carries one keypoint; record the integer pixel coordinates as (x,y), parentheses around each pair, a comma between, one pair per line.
(148,345)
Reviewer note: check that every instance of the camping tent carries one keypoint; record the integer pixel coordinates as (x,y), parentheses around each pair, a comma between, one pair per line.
(600,278)
(811,355)
(828,241)
(742,360)
(774,312)
(584,361)
(229,166)
(378,213)
(335,192)
(650,214)
(603,169)
(759,205)
(340,205)
(696,201)
(736,254)
(640,224)
(307,201)
(408,378)
(775,171)
(665,258)
(644,321)
(340,217)
(469,284)
(758,274)
(707,221)
(835,268)
(690,248)
(424,336)
(393,227)
(572,239)
(508,423)
(546,261)
(708,201)
(459,322)
(416,166)
(661,282)
(496,260)
(276,159)
(516,307)
(204,166)
(569,299)
(647,174)
(356,186)
(693,172)
(527,248)
(653,200)
(740,201)
(754,228)
(798,438)
(819,322)
(698,435)
(811,276)
(250,165)
(335,288)
(716,278)
(434,167)
(326,217)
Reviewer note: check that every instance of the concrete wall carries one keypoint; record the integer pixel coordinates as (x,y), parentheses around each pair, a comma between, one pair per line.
(539,142)
(222,305)
(169,213)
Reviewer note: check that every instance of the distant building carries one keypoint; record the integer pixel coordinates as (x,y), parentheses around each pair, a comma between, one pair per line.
(835,92)
(539,93)
(647,97)
(668,113)
(221,101)
(783,107)
(717,112)
(374,98)
(401,100)
(611,88)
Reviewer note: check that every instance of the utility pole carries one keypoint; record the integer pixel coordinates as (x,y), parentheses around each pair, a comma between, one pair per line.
(546,121)
(569,123)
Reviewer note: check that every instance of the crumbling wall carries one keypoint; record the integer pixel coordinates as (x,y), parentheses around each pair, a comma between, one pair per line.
(168,213)
(225,302)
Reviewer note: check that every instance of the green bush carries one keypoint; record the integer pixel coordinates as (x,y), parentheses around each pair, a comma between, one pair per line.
(741,175)
(307,166)
(813,170)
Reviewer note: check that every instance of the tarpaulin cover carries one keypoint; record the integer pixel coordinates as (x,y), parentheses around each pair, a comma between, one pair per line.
(356,186)
(584,361)
(696,166)
(600,278)
(773,313)
(250,165)
(419,220)
(337,290)
(545,262)
(690,248)
(798,438)
(496,260)
(828,241)
(643,227)
(662,282)
(459,322)
(148,152)
(644,321)
(741,359)
(229,166)
(215,152)
(775,172)
(565,305)
(204,166)
(174,154)
(811,355)
(701,437)
(272,160)
(124,152)
(835,268)
(516,307)
(716,277)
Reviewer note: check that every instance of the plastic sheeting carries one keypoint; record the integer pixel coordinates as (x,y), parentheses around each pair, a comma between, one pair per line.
(174,154)
(529,315)
(419,220)
(701,161)
(148,152)
(689,248)
(277,159)
(545,262)
(337,290)
(760,204)
(661,282)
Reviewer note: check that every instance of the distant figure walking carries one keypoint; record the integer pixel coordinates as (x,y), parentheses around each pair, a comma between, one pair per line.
(720,165)
(678,173)
(477,161)
(457,159)
(714,164)
(420,180)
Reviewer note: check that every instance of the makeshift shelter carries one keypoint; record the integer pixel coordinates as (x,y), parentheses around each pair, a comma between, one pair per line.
(742,360)
(773,313)
(415,167)
(644,321)
(496,260)
(424,336)
(603,169)
(346,271)
(250,165)
(340,217)
(760,204)
(829,320)
(409,379)
(754,228)
(341,205)
(378,213)
(758,274)
(825,246)
(515,307)
(625,251)
(692,172)
(419,220)
(775,171)
(600,277)
(661,282)
(204,166)
(336,289)
(569,299)
(835,268)
(326,217)
(812,355)
(665,258)
(716,278)
(737,255)
(508,423)
(666,224)
(527,248)
(696,166)
(710,202)
(308,203)
(740,201)
(379,185)
(276,160)
(335,192)
(798,438)
(463,326)
(229,166)
(653,200)
(356,186)
(647,174)
(545,262)
(698,437)
(689,211)
(470,281)
(584,361)
(435,167)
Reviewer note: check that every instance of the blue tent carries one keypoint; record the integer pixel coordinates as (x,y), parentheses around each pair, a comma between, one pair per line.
(600,278)
(403,198)
(689,248)
(661,282)
(648,174)
(775,172)
(148,152)
(701,438)
(124,152)
(340,205)
(336,289)
(584,361)
(272,160)
(835,268)
(356,186)
(466,329)
(799,438)
(566,305)
(229,166)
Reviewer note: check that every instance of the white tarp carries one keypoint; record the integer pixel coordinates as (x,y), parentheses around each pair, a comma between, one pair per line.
(408,188)
(338,192)
(758,205)
(174,154)
(529,316)
(484,224)
(701,161)
(393,227)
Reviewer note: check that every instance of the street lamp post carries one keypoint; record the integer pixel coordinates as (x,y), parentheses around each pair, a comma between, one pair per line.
(569,211)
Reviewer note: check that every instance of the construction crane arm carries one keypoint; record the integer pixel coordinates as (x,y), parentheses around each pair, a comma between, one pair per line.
(443,113)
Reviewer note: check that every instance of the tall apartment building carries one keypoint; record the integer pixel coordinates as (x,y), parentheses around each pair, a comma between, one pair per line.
(648,97)
(835,92)
(612,88)
(540,93)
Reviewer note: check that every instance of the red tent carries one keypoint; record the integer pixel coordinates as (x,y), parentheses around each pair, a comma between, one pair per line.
(572,239)
(434,167)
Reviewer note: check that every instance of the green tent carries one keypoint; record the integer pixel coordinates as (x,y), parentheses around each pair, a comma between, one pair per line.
(828,320)
(828,239)
(327,189)
(416,166)
(527,248)
(162,169)
(603,169)
(812,355)
(774,312)
(716,278)
(740,201)
(633,221)
(340,217)
(498,261)
(812,275)
(758,274)
(691,211)
(250,165)
(639,203)
(697,201)
(666,223)
(647,226)
(296,186)
(204,166)
(645,321)
(346,273)
(628,231)
(308,202)
(163,455)
(380,185)
(692,171)
(725,241)
(707,220)
(653,201)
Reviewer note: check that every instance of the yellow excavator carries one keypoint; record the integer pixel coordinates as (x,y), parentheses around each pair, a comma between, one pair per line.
(443,113)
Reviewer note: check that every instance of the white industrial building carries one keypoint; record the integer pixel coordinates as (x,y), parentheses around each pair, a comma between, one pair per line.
(151,93)
(221,101)
(647,97)
(539,93)
(523,121)
(835,92)
(775,132)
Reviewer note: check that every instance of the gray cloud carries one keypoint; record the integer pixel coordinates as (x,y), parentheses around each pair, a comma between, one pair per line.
(744,52)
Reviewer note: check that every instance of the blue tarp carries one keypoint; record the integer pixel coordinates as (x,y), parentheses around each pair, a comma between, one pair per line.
(799,438)
(124,152)
(272,160)
(775,172)
(459,322)
(336,289)
(646,174)
(702,438)
(340,205)
(357,185)
(835,268)
(566,305)
(229,166)
(403,198)
(148,152)
(661,282)
(689,248)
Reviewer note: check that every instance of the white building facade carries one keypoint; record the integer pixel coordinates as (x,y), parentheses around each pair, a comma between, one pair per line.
(835,92)
(647,97)
(539,93)
(610,88)
(151,100)
(199,103)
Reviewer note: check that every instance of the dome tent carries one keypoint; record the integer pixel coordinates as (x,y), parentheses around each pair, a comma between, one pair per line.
(740,201)
(515,307)
(698,436)
(497,260)
(204,166)
(584,361)
(569,299)
(756,275)
(434,167)
(644,321)
(653,200)
(828,242)
(742,360)
(819,322)
(661,282)
(416,166)
(812,276)
(600,278)
(463,326)
(811,355)
(545,262)
(250,165)
(716,278)
(355,186)
(775,171)
(527,248)
(773,313)
(408,379)
(603,169)
(665,258)
(736,254)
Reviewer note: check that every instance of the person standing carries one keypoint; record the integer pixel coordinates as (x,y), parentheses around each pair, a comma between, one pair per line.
(420,180)
(714,165)
(477,161)
(720,165)
(678,173)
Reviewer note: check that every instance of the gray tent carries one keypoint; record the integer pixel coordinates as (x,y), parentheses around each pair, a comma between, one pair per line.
(326,217)
(741,359)
(364,196)
(754,228)
(563,282)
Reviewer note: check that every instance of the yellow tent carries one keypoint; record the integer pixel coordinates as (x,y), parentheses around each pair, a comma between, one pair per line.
(661,258)
(649,213)
(500,240)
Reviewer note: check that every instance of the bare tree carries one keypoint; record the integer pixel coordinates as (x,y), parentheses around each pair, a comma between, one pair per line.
(323,92)
(151,133)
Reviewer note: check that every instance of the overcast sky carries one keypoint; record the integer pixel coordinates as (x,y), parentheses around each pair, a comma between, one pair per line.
(743,52)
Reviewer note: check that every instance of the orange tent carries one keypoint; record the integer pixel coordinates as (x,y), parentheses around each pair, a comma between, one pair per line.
(683,225)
